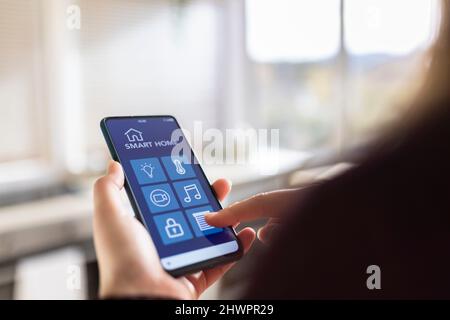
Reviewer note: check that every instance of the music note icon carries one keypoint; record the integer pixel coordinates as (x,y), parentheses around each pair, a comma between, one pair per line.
(190,193)
(191,187)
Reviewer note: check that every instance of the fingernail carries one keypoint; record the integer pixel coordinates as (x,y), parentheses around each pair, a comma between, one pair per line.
(109,166)
(114,174)
(258,233)
(267,235)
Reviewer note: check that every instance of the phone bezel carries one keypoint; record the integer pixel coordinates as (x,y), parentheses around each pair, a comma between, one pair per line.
(207,264)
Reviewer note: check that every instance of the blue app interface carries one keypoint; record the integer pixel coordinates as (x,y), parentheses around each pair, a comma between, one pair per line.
(170,189)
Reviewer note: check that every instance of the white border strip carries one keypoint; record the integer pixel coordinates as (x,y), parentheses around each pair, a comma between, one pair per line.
(191,257)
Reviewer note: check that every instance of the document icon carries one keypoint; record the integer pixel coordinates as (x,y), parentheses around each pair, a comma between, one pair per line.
(200,219)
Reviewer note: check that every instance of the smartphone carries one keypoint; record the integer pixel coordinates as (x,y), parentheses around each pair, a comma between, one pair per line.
(169,192)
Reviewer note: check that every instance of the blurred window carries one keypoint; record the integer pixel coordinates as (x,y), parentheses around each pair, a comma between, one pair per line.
(147,57)
(292,30)
(330,73)
(326,72)
(387,27)
(128,57)
(20,79)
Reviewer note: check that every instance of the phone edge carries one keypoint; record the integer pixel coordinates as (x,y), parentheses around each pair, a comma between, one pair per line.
(207,264)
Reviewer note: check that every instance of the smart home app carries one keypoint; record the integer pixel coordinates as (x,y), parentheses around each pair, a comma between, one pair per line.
(170,189)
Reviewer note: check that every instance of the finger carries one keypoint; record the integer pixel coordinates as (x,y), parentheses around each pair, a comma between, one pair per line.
(222,188)
(263,205)
(206,278)
(107,199)
(107,220)
(272,222)
(115,171)
(266,233)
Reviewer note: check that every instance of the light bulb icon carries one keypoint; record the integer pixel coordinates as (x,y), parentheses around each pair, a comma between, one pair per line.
(148,169)
(178,167)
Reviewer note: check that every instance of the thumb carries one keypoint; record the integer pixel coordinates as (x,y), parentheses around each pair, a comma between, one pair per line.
(107,197)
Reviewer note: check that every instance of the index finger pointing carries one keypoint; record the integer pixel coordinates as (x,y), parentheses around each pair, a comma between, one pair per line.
(263,205)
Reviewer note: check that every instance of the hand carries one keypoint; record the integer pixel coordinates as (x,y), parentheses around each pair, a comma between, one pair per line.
(128,262)
(273,205)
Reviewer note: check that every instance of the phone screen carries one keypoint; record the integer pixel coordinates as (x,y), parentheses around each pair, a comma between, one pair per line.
(168,190)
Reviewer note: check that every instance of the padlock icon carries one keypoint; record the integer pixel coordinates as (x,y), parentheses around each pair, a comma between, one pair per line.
(173,229)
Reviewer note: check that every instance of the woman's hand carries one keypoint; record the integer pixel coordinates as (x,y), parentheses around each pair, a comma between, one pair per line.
(128,262)
(273,205)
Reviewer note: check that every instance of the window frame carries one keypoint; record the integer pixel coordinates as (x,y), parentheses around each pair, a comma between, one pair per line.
(55,110)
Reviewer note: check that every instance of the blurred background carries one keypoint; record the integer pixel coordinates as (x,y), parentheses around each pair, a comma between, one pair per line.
(329,74)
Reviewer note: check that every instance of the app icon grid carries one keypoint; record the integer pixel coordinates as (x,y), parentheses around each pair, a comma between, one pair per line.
(180,191)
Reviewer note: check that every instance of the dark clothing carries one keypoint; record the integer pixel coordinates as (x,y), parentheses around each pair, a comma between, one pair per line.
(392,211)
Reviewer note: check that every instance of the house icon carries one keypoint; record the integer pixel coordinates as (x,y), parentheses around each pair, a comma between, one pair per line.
(134,135)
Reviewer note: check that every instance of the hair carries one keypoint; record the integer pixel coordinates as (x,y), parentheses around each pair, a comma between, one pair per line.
(435,89)
(431,104)
(432,101)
